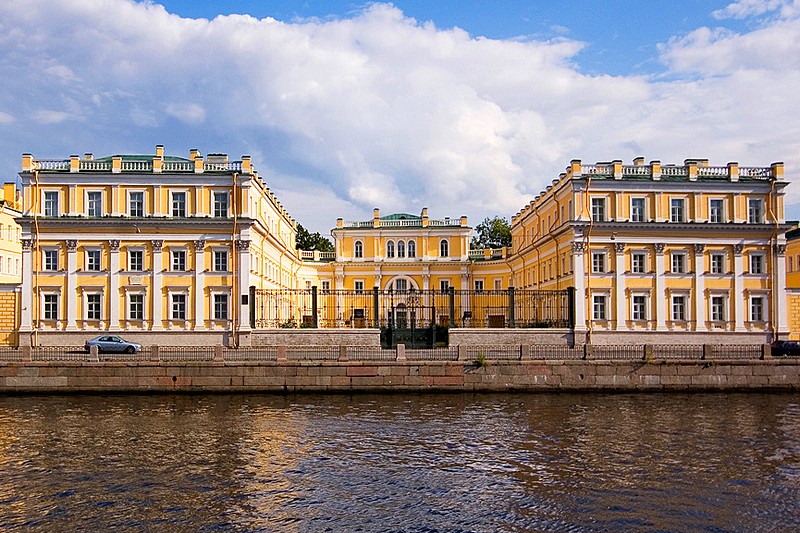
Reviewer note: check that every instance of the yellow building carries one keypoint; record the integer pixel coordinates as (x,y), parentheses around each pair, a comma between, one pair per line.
(155,244)
(792,309)
(654,248)
(10,265)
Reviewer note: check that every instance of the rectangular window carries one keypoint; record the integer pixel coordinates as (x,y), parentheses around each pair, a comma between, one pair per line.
(598,262)
(444,285)
(755,211)
(638,213)
(716,210)
(51,204)
(639,311)
(757,309)
(717,263)
(221,204)
(638,262)
(179,204)
(179,260)
(220,307)
(498,284)
(678,263)
(717,308)
(679,308)
(93,303)
(326,286)
(599,307)
(221,260)
(50,311)
(136,306)
(136,204)
(598,209)
(50,259)
(179,307)
(479,285)
(93,260)
(94,204)
(756,264)
(358,285)
(677,211)
(136,260)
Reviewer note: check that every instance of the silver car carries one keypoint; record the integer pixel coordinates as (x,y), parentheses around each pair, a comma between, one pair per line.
(112,343)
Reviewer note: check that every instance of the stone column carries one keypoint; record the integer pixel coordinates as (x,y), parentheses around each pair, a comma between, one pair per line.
(70,298)
(779,287)
(661,302)
(156,296)
(619,286)
(199,284)
(113,292)
(739,308)
(578,251)
(338,280)
(26,318)
(700,307)
(243,264)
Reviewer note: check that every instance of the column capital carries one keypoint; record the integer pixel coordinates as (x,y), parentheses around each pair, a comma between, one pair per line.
(27,244)
(660,248)
(113,244)
(579,247)
(780,249)
(619,247)
(199,245)
(699,248)
(242,245)
(72,245)
(738,248)
(158,244)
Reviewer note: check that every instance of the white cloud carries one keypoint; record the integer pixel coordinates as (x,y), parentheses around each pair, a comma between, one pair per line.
(6,118)
(378,110)
(749,8)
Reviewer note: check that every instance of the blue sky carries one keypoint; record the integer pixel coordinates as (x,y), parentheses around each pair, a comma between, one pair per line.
(466,108)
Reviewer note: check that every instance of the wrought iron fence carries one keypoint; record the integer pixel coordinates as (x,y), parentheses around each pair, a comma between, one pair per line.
(509,308)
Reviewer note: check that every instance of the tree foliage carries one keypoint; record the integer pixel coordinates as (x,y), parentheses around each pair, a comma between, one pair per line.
(492,233)
(312,241)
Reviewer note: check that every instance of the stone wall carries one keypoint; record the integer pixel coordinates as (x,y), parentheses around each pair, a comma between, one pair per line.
(388,376)
(503,337)
(318,337)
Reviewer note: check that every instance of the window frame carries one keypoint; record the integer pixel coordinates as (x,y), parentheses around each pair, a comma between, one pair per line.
(679,308)
(757,263)
(177,302)
(720,215)
(47,256)
(51,305)
(755,210)
(217,204)
(52,206)
(89,253)
(642,215)
(682,262)
(600,307)
(137,253)
(444,248)
(358,249)
(174,253)
(412,248)
(718,303)
(762,308)
(93,304)
(599,268)
(598,209)
(220,301)
(677,206)
(712,267)
(639,309)
(217,255)
(92,205)
(390,249)
(132,304)
(172,199)
(130,195)
(643,267)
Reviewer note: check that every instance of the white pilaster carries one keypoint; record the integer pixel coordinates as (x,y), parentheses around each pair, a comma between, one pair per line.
(578,250)
(156,296)
(113,293)
(157,201)
(115,201)
(781,324)
(661,302)
(738,287)
(243,275)
(700,307)
(199,284)
(619,286)
(26,318)
(70,298)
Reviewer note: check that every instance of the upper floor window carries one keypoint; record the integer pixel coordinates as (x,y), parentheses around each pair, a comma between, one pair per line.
(136,204)
(598,209)
(401,249)
(220,204)
(358,249)
(51,204)
(93,260)
(757,309)
(221,260)
(93,306)
(718,309)
(678,263)
(638,262)
(179,307)
(444,248)
(598,262)
(677,210)
(756,263)
(444,285)
(50,307)
(638,213)
(358,285)
(136,306)
(50,259)
(94,204)
(401,285)
(179,204)
(717,263)
(412,249)
(716,210)
(599,307)
(479,285)
(390,249)
(679,308)
(179,260)
(136,260)
(755,210)
(639,307)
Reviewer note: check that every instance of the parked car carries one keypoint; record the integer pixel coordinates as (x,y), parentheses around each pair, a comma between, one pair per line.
(785,348)
(112,343)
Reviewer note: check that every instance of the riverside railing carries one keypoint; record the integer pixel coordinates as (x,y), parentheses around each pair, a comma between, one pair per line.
(700,353)
(508,308)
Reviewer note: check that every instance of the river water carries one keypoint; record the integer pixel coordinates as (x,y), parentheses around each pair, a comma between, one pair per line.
(401,463)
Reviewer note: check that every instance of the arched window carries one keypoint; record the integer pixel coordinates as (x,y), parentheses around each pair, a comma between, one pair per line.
(412,249)
(444,248)
(390,249)
(359,249)
(401,249)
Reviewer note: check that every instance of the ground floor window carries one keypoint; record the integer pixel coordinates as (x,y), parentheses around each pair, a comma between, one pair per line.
(50,307)
(220,307)
(93,306)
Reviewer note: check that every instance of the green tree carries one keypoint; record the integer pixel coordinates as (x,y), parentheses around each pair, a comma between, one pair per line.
(492,233)
(312,241)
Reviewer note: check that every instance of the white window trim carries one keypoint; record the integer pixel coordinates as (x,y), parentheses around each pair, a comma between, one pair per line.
(448,247)
(411,244)
(475,285)
(128,200)
(606,295)
(606,207)
(60,209)
(687,306)
(390,249)
(355,285)
(644,214)
(646,262)
(92,291)
(86,251)
(211,311)
(185,251)
(214,250)
(213,201)
(760,209)
(764,295)
(187,305)
(86,202)
(724,209)
(679,253)
(48,292)
(725,295)
(358,254)
(185,192)
(606,265)
(647,305)
(685,201)
(55,249)
(128,250)
(142,291)
(763,257)
(724,255)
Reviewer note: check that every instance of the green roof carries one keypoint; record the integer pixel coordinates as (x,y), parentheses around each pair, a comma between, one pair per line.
(401,216)
(141,157)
